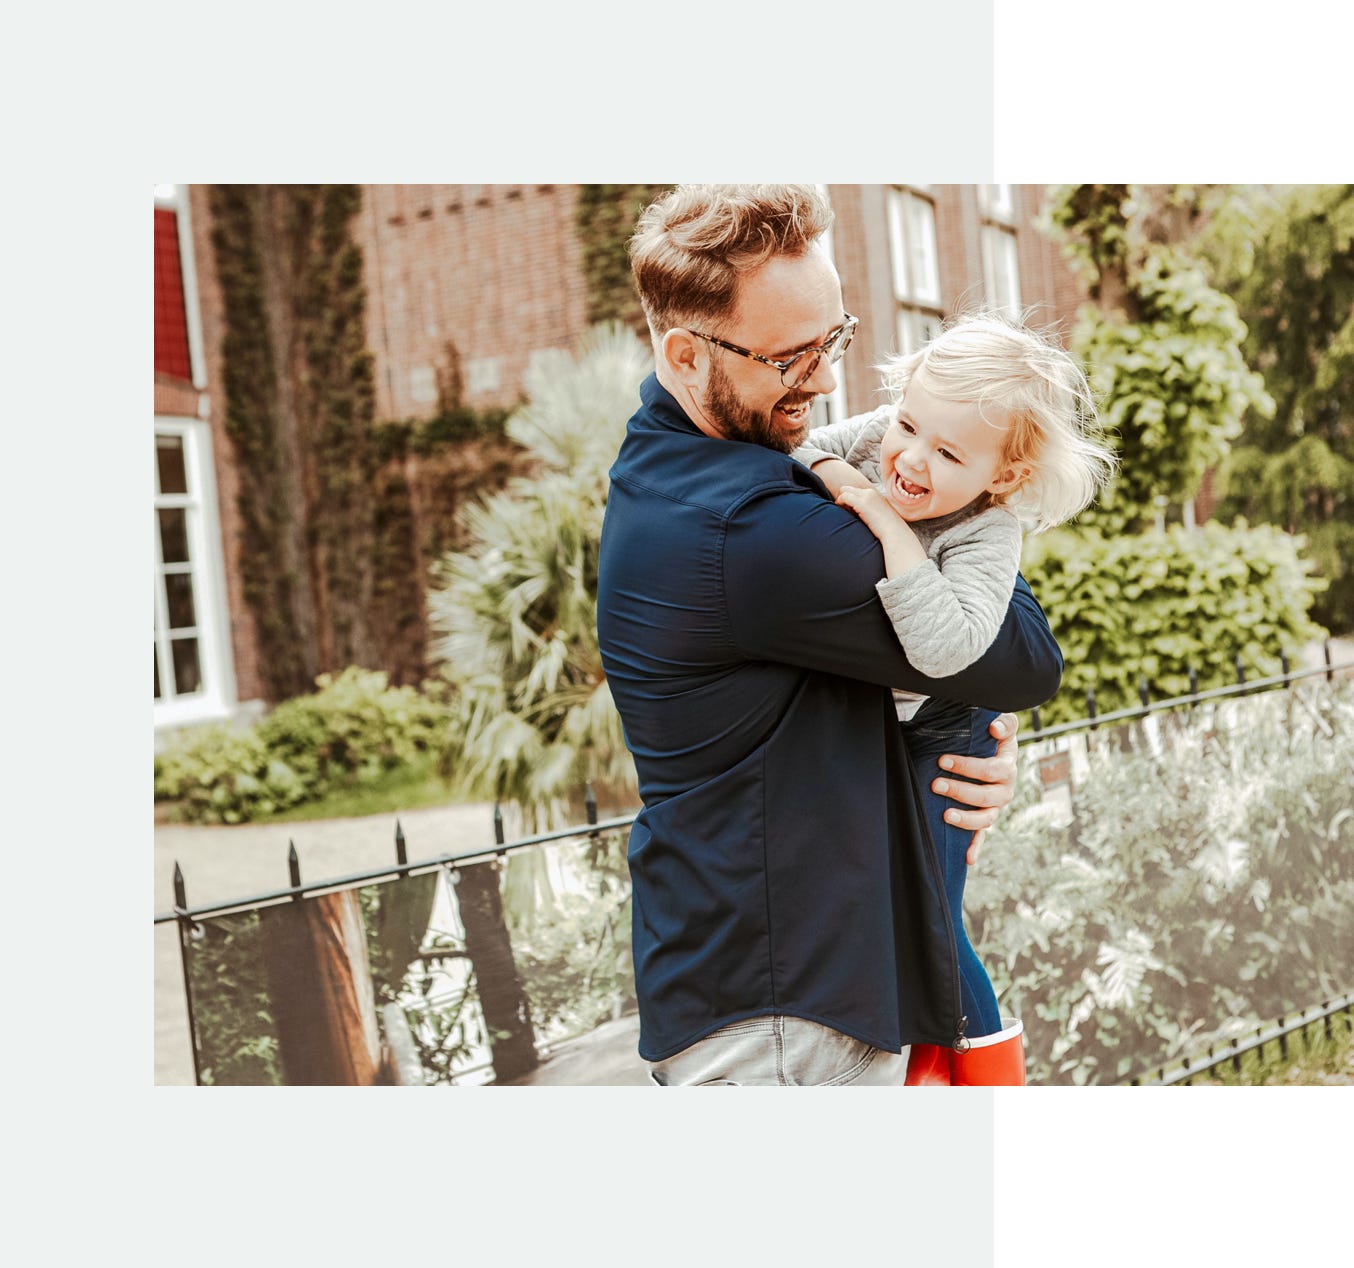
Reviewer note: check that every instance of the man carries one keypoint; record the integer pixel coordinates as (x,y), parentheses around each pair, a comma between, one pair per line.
(789,919)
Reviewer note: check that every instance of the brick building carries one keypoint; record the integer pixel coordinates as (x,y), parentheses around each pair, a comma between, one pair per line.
(465,284)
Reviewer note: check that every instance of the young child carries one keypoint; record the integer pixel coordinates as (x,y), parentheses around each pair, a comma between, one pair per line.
(988,425)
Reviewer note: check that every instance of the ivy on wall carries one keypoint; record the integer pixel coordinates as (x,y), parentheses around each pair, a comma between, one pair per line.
(272,580)
(341,516)
(604,220)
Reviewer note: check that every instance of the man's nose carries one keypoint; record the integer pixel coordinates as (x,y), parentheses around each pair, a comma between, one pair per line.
(822,380)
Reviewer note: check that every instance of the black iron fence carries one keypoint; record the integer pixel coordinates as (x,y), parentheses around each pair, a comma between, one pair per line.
(1279,1034)
(312,959)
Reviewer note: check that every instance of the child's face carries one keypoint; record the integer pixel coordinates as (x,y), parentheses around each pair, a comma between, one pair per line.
(939,455)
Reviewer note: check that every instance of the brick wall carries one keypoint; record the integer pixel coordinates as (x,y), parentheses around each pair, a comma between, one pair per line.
(243,638)
(492,269)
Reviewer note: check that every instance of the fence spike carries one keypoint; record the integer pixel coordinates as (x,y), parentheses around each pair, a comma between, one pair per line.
(590,803)
(1240,671)
(498,824)
(401,853)
(180,890)
(1330,677)
(1283,660)
(1142,692)
(1034,717)
(1090,706)
(294,866)
(1193,682)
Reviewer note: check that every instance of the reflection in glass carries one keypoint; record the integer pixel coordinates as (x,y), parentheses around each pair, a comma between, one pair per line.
(173,523)
(169,464)
(179,592)
(429,961)
(187,667)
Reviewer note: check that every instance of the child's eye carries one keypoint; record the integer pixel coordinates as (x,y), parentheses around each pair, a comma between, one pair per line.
(906,426)
(947,455)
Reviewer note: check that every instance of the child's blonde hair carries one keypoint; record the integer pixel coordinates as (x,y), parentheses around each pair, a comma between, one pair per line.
(987,358)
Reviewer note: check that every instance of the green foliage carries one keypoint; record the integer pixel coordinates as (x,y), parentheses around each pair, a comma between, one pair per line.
(516,612)
(1093,222)
(1162,347)
(352,730)
(604,221)
(448,429)
(1200,889)
(1156,605)
(273,579)
(232,1007)
(574,951)
(1295,290)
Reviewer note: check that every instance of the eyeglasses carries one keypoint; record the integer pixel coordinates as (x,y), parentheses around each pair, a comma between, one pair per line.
(801,366)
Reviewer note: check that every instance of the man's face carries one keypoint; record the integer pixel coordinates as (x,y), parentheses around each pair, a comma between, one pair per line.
(790,303)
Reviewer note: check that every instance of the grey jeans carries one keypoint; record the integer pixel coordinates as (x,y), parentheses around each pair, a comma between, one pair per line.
(780,1051)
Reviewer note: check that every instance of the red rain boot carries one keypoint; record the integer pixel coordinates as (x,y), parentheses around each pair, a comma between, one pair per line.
(928,1066)
(991,1061)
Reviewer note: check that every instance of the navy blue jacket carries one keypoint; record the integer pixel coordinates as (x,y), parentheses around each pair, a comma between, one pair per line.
(780,862)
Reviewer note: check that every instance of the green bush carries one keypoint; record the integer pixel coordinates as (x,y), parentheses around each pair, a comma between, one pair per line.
(1157,605)
(1202,887)
(352,730)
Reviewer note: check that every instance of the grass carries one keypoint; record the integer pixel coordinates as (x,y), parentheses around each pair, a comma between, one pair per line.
(1313,1060)
(409,787)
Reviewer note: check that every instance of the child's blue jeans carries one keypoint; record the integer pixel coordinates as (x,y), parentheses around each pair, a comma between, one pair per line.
(938,727)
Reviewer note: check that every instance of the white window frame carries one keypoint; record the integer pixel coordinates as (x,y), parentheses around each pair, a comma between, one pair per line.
(216,697)
(1001,269)
(1000,248)
(915,264)
(831,408)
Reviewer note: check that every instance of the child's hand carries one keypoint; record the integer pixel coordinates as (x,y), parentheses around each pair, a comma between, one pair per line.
(880,518)
(902,550)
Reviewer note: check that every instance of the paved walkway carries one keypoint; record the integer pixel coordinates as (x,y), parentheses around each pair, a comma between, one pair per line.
(221,863)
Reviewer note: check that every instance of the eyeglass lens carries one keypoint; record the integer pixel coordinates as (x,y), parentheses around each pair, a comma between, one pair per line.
(802,367)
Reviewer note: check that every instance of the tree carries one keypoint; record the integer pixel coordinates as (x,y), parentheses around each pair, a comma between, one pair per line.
(1163,348)
(1295,291)
(516,612)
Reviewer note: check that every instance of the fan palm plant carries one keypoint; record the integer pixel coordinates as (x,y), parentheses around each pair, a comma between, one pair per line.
(515,614)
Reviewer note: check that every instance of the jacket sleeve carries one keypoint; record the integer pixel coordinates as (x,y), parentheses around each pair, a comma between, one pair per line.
(799,577)
(834,440)
(947,611)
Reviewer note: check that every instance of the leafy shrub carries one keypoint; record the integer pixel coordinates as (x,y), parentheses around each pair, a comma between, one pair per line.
(1154,606)
(353,729)
(1201,888)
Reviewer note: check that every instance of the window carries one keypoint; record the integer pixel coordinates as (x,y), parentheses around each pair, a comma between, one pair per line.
(831,408)
(190,670)
(916,269)
(1001,267)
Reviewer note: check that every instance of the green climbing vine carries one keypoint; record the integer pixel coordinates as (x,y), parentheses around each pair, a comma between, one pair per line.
(271,578)
(604,220)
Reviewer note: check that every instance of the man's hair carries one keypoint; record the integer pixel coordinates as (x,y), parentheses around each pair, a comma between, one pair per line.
(691,246)
(989,359)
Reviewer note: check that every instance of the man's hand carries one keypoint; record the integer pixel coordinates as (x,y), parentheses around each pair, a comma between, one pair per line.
(995,786)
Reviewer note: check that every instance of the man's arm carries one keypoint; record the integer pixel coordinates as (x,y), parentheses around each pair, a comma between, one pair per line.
(799,577)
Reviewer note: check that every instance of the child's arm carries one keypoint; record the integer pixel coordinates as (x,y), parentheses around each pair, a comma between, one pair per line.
(946,612)
(902,550)
(838,474)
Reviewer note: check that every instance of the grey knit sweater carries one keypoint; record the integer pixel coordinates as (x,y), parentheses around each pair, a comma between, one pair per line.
(947,611)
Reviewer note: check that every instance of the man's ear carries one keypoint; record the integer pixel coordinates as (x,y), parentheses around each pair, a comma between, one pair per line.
(684,356)
(1012,478)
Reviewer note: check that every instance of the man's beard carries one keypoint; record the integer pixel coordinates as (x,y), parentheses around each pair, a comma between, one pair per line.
(726,409)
